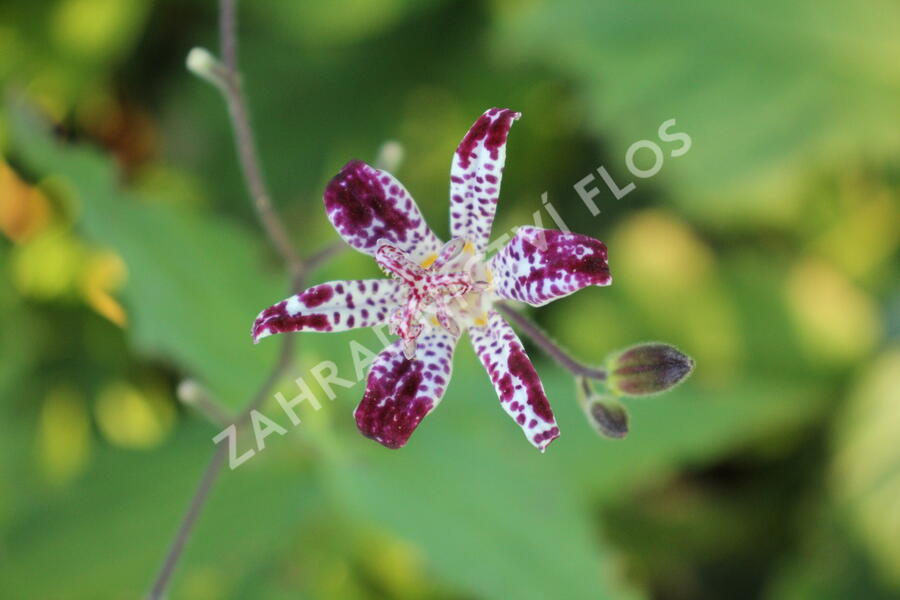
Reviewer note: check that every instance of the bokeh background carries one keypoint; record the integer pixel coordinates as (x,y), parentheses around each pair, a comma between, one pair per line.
(130,261)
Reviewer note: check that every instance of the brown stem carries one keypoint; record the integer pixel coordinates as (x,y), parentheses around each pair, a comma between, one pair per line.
(233,91)
(530,329)
(198,501)
(192,394)
(277,235)
(211,475)
(324,255)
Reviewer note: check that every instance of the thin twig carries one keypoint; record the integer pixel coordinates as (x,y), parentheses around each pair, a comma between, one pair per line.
(277,235)
(530,329)
(324,255)
(244,140)
(211,474)
(285,358)
(198,501)
(228,34)
(194,395)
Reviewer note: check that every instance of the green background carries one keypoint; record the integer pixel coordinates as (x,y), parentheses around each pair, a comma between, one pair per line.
(130,261)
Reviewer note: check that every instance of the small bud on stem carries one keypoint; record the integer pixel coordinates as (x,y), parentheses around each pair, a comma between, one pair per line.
(605,414)
(608,417)
(647,369)
(390,155)
(192,394)
(202,63)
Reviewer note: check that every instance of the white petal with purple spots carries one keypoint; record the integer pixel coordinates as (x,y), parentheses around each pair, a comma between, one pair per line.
(515,380)
(332,306)
(400,392)
(541,265)
(366,205)
(475,175)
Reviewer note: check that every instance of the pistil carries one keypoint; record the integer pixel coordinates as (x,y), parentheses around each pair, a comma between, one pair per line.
(433,285)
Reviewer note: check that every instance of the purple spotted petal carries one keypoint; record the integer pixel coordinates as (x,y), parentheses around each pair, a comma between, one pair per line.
(332,306)
(366,205)
(517,383)
(541,265)
(475,176)
(400,392)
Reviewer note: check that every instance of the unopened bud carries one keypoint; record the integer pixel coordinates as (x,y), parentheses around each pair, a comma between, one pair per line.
(607,416)
(390,155)
(647,369)
(202,63)
(190,392)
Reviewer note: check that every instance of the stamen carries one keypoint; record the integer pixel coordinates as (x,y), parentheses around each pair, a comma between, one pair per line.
(443,282)
(444,318)
(449,323)
(450,251)
(394,261)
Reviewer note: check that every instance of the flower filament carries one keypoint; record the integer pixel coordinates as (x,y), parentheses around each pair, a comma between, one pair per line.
(447,287)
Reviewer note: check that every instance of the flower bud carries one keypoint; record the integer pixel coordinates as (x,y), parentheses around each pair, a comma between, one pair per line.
(190,392)
(607,416)
(647,369)
(202,63)
(390,155)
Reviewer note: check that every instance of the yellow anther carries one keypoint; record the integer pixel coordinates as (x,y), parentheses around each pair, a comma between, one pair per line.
(429,261)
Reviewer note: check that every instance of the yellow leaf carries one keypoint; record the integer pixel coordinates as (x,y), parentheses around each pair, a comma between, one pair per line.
(837,321)
(104,274)
(864,473)
(24,210)
(48,265)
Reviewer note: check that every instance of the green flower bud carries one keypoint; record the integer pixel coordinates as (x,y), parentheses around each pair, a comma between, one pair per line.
(647,369)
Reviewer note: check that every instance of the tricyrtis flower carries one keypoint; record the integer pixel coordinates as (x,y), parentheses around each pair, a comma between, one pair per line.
(438,290)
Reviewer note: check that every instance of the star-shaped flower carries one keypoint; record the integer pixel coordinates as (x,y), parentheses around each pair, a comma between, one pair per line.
(438,290)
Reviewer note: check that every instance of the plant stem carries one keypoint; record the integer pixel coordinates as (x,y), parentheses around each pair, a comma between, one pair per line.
(531,329)
(324,255)
(198,501)
(211,475)
(277,235)
(233,91)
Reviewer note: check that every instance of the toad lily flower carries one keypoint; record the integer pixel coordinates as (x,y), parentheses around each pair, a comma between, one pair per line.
(438,290)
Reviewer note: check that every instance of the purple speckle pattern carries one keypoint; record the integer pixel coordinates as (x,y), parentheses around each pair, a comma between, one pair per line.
(515,380)
(366,205)
(400,391)
(332,306)
(541,265)
(475,175)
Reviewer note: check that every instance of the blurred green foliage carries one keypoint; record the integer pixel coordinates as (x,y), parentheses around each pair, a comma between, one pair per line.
(130,261)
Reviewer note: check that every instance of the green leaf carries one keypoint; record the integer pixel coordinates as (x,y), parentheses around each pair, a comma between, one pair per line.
(495,516)
(195,283)
(468,479)
(768,91)
(107,534)
(338,22)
